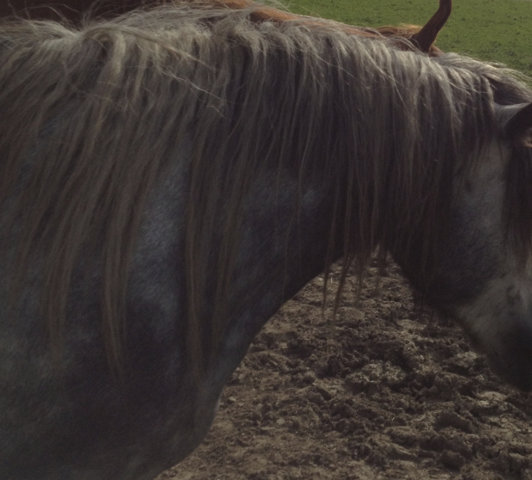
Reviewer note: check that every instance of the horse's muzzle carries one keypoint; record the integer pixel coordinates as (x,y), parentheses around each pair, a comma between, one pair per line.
(513,360)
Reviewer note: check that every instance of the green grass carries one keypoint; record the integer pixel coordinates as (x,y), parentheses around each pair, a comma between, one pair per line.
(494,30)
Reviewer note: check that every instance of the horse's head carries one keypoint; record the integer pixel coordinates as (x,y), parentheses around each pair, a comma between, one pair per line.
(483,273)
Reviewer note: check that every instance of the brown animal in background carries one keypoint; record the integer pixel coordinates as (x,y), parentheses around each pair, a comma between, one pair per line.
(72,10)
(421,38)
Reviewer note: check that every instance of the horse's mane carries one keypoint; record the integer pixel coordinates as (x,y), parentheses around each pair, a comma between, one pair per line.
(90,119)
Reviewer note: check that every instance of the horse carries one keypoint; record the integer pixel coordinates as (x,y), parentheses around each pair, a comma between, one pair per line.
(73,11)
(169,178)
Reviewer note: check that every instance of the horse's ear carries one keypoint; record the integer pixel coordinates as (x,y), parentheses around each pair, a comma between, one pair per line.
(427,35)
(515,120)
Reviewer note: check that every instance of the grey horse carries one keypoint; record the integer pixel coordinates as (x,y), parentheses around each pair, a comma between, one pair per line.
(169,178)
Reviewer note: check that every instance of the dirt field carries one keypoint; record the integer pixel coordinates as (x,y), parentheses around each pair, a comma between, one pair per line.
(398,394)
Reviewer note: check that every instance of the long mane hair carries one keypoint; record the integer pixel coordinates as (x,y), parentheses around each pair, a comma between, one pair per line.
(91,118)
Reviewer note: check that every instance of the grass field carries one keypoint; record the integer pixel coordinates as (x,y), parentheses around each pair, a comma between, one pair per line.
(495,30)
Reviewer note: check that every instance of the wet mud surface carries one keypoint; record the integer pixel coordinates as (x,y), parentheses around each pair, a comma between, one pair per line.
(396,394)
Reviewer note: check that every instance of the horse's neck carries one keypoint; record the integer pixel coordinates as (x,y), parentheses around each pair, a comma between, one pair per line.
(283,245)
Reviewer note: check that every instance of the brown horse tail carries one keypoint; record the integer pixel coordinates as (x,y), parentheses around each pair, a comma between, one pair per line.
(427,35)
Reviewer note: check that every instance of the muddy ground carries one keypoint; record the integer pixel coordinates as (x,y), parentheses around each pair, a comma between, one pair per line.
(397,394)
